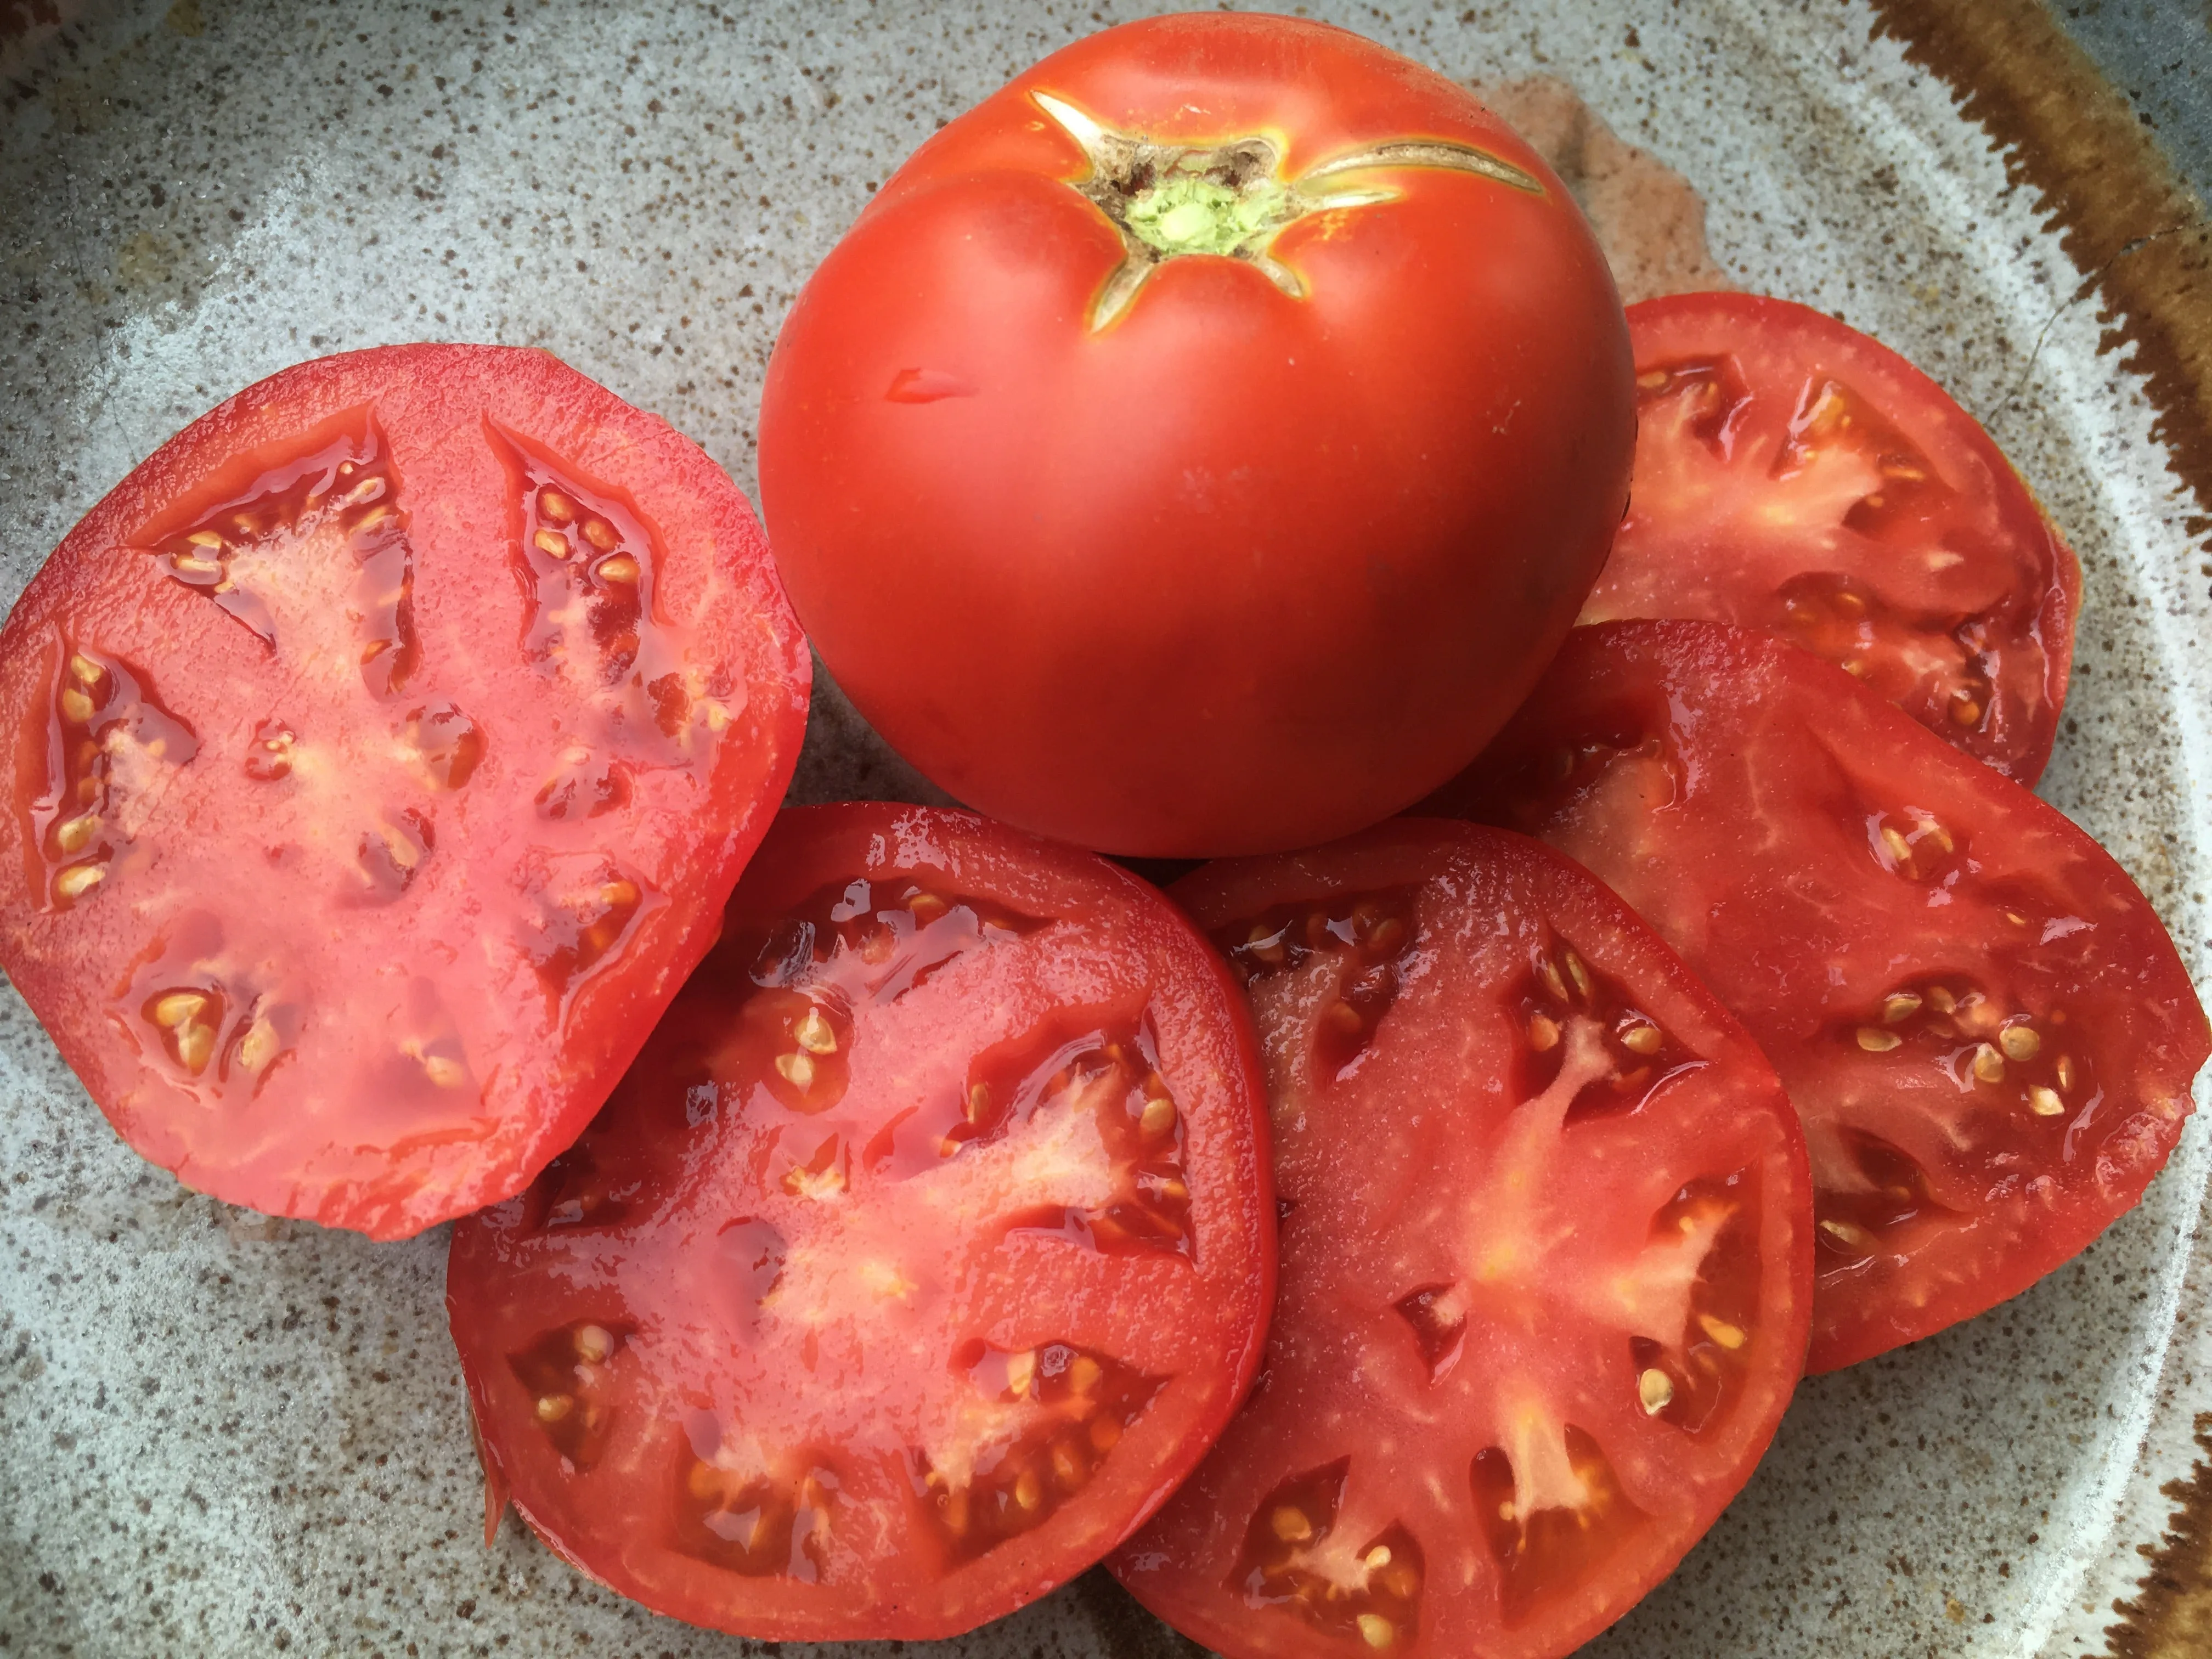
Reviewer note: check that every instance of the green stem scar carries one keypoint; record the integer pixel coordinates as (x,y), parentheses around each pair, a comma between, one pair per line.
(1230,200)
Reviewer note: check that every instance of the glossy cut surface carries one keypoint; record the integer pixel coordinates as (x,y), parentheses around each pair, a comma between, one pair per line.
(1546,1261)
(1986,1029)
(1794,475)
(1241,568)
(921,1253)
(379,754)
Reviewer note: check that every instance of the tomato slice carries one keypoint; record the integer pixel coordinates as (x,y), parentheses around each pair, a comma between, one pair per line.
(922,1252)
(1794,475)
(1986,1029)
(383,749)
(1546,1261)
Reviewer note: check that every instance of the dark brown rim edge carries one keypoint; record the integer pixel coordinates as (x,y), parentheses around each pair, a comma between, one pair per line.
(2143,244)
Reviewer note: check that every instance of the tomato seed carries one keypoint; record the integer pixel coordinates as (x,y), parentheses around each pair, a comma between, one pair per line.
(1029,1491)
(815,1033)
(259,1046)
(1655,1389)
(1849,1236)
(1291,1525)
(2066,1072)
(1988,1064)
(1067,1466)
(1376,1559)
(74,834)
(620,568)
(75,706)
(1376,1631)
(1543,1033)
(1159,1117)
(1728,1336)
(1942,1000)
(177,1008)
(554,505)
(1083,1376)
(552,1407)
(1642,1039)
(1577,973)
(1875,1041)
(979,1102)
(601,535)
(444,1071)
(1901,1005)
(552,543)
(798,1069)
(2019,1041)
(594,1343)
(2045,1102)
(1965,711)
(79,879)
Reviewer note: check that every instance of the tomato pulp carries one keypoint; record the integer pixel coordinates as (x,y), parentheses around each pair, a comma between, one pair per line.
(1794,475)
(1546,1261)
(1986,1029)
(383,748)
(1199,446)
(923,1251)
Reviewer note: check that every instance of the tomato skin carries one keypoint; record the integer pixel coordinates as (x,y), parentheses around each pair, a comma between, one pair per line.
(703,1141)
(1984,1026)
(349,877)
(1400,1170)
(1237,571)
(1890,535)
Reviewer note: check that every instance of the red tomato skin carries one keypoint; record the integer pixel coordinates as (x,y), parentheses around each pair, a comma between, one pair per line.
(1332,1368)
(503,1283)
(439,411)
(2006,576)
(1238,572)
(1804,931)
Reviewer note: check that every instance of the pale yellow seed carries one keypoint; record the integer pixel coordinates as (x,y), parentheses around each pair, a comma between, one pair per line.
(1066,1465)
(1083,1374)
(1855,668)
(798,1069)
(616,895)
(177,1008)
(1988,1064)
(1899,848)
(80,880)
(74,834)
(1376,1559)
(1656,1390)
(1642,1039)
(1728,1336)
(444,1071)
(1652,380)
(552,1407)
(815,1033)
(552,543)
(1850,603)
(1576,972)
(88,671)
(195,1045)
(208,538)
(1941,1001)
(194,565)
(593,1343)
(1845,1233)
(1965,711)
(75,706)
(2066,1071)
(259,1046)
(557,507)
(1506,1512)
(1875,1041)
(1159,1116)
(600,534)
(1289,1524)
(926,907)
(979,1101)
(2045,1102)
(1936,833)
(1559,987)
(1376,1631)
(1021,1371)
(2019,1041)
(1543,1033)
(1029,1491)
(620,568)
(1901,1005)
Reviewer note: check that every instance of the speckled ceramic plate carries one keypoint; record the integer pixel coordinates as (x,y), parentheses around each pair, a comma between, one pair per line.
(221,1435)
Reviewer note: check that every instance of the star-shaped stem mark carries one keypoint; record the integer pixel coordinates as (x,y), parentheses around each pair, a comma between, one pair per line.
(1229,199)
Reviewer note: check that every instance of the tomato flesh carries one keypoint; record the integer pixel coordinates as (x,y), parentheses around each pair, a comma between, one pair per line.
(920,1255)
(357,838)
(1220,551)
(1546,1256)
(1794,475)
(1987,1031)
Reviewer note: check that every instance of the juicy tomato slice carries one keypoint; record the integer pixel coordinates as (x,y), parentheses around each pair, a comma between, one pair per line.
(922,1252)
(1546,1261)
(383,749)
(1794,475)
(1987,1031)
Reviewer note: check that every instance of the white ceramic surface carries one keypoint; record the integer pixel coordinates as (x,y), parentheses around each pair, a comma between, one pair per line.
(224,1436)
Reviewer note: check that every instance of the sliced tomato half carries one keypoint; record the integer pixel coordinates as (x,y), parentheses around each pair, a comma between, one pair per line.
(1794,475)
(922,1252)
(382,750)
(1982,1023)
(1546,1261)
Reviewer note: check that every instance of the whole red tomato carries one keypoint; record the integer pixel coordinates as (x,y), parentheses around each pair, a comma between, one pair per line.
(1199,446)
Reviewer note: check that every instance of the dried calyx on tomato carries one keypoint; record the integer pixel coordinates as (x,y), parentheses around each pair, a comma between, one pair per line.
(1199,446)
(1546,1261)
(384,748)
(1980,1019)
(925,1248)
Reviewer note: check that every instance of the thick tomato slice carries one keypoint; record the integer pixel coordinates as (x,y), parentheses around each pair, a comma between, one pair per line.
(923,1251)
(383,748)
(1200,445)
(1986,1029)
(1546,1261)
(1794,475)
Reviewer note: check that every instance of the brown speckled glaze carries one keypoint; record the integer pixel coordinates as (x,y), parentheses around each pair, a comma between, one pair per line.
(221,1435)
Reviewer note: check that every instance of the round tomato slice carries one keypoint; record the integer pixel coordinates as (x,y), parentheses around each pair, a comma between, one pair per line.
(923,1251)
(1794,475)
(383,748)
(1199,446)
(1546,1261)
(1986,1029)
